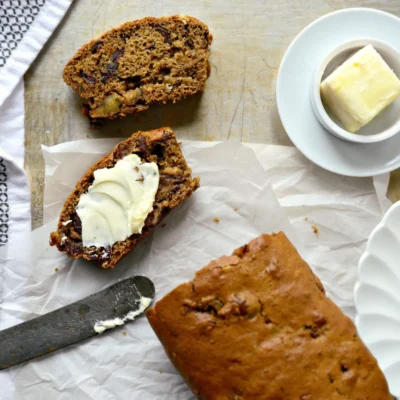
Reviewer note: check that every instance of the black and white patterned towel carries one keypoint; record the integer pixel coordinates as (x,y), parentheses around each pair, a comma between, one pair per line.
(15,19)
(15,215)
(25,26)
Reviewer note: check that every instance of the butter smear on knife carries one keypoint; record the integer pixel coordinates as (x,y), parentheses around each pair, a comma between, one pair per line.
(358,90)
(101,326)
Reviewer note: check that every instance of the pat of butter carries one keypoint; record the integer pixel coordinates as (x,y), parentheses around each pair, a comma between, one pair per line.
(118,202)
(360,89)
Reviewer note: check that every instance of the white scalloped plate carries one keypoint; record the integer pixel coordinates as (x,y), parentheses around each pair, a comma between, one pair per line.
(377,296)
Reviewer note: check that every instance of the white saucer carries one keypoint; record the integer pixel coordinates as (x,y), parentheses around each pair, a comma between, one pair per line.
(296,72)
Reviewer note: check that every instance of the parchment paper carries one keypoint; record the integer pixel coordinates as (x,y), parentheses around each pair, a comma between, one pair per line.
(331,215)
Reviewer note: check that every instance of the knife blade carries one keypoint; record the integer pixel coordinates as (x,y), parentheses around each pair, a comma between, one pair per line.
(72,323)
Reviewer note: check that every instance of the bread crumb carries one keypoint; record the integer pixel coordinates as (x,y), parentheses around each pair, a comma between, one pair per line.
(56,269)
(216,220)
(124,333)
(305,219)
(316,230)
(235,209)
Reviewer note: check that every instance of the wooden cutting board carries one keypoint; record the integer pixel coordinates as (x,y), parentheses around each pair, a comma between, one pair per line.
(250,38)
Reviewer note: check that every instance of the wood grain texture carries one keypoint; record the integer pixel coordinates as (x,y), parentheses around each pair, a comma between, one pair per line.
(250,38)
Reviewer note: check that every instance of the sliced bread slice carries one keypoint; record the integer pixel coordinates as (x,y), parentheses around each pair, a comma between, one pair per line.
(176,184)
(144,62)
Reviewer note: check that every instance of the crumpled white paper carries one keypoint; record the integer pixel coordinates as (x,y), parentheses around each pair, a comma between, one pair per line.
(114,366)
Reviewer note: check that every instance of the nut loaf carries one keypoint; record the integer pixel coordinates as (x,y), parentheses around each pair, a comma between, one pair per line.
(144,62)
(257,325)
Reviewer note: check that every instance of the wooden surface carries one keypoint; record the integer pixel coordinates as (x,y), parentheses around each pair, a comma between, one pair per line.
(250,38)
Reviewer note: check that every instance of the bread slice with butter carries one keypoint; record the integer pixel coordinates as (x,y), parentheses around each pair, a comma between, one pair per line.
(358,90)
(123,197)
(143,62)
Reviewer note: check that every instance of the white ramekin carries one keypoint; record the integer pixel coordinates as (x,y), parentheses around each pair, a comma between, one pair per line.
(386,124)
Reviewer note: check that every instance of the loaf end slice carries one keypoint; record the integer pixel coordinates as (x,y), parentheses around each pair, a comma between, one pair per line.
(143,62)
(175,185)
(257,325)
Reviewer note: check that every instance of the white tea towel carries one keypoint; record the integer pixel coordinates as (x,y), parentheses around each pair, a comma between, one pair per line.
(25,26)
(15,216)
(12,125)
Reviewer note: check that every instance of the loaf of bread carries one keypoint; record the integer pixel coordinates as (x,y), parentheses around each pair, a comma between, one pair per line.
(257,325)
(175,185)
(144,62)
